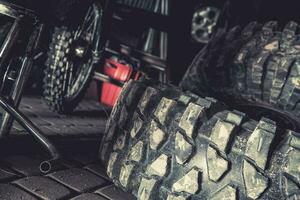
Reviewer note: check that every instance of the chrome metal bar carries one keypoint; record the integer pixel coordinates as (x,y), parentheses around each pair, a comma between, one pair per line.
(9,40)
(19,84)
(4,52)
(104,78)
(30,127)
(10,104)
(164,35)
(13,10)
(7,119)
(26,67)
(98,44)
(164,42)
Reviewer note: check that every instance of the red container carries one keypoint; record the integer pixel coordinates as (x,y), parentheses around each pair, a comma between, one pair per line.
(119,72)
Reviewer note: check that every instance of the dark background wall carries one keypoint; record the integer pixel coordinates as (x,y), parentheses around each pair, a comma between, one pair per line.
(182,49)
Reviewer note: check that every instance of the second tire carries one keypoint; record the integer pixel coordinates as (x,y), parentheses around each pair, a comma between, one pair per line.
(161,143)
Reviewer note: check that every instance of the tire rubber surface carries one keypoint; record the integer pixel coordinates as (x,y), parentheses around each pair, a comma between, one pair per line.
(161,143)
(256,65)
(57,74)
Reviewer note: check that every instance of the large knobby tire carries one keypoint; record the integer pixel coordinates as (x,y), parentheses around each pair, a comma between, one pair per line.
(57,88)
(257,66)
(177,146)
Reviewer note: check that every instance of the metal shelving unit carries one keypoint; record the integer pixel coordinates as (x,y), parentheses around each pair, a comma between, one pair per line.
(153,53)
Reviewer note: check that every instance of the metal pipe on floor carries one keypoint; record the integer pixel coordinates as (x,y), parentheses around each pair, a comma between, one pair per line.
(31,128)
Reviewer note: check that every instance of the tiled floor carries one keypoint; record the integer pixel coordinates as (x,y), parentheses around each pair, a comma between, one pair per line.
(88,120)
(80,175)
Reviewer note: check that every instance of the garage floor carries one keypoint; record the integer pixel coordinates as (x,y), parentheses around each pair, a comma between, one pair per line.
(80,176)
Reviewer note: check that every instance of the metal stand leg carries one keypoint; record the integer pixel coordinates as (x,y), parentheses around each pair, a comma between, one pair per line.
(26,27)
(45,166)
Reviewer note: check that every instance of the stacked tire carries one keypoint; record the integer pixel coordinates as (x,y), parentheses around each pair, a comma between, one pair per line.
(162,143)
(258,66)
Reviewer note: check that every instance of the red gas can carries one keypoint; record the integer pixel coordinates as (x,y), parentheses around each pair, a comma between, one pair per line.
(119,71)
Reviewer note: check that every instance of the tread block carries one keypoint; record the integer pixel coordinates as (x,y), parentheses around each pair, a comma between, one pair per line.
(207,102)
(239,59)
(191,94)
(105,151)
(137,125)
(190,117)
(189,183)
(136,152)
(131,93)
(270,75)
(294,99)
(250,29)
(147,96)
(273,45)
(159,166)
(173,197)
(127,87)
(297,109)
(259,142)
(116,109)
(120,143)
(289,90)
(267,125)
(156,135)
(289,33)
(125,173)
(269,27)
(280,78)
(257,73)
(217,165)
(255,182)
(146,188)
(256,65)
(294,141)
(123,117)
(184,99)
(183,149)
(239,75)
(290,188)
(111,163)
(226,193)
(235,117)
(293,167)
(110,131)
(163,109)
(221,134)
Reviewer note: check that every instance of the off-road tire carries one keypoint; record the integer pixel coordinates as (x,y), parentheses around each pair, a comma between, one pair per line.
(56,74)
(172,145)
(258,65)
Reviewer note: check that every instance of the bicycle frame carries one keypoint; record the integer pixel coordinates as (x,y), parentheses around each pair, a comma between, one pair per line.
(20,46)
(22,17)
(24,21)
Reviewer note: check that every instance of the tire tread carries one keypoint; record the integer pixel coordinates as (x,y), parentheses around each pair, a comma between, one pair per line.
(214,162)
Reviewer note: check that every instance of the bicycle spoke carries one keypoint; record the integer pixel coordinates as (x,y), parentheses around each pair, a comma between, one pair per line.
(82,27)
